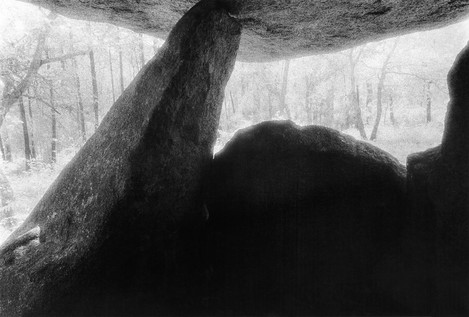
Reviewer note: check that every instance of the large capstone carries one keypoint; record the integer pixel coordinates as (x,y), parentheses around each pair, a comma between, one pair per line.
(305,220)
(439,190)
(109,236)
(279,28)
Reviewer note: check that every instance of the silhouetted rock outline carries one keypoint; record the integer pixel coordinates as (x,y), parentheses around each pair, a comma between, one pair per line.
(305,221)
(112,224)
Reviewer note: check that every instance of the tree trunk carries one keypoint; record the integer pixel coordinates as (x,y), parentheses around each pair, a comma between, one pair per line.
(269,100)
(31,130)
(27,148)
(112,77)
(429,102)
(225,109)
(356,111)
(391,110)
(385,113)
(142,50)
(379,95)
(283,92)
(121,71)
(308,110)
(12,93)
(233,105)
(53,147)
(315,112)
(134,63)
(379,106)
(94,82)
(119,227)
(308,89)
(15,89)
(80,107)
(257,100)
(329,110)
(53,127)
(369,98)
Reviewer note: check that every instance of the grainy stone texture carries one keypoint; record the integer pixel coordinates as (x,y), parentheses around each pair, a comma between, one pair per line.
(274,29)
(439,190)
(305,221)
(112,236)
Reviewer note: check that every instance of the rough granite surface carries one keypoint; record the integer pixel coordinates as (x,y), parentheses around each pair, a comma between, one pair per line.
(275,29)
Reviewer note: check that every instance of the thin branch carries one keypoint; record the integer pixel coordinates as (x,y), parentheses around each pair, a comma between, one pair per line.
(422,78)
(16,93)
(411,74)
(63,57)
(46,103)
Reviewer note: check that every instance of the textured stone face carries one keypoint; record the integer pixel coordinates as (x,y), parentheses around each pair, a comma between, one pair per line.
(275,29)
(306,221)
(111,226)
(439,190)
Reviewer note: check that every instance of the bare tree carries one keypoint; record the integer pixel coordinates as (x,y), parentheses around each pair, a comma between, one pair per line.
(391,110)
(112,77)
(53,117)
(312,80)
(309,87)
(328,111)
(14,87)
(80,107)
(356,113)
(429,100)
(121,68)
(94,83)
(369,99)
(27,148)
(31,130)
(233,105)
(141,50)
(379,96)
(283,93)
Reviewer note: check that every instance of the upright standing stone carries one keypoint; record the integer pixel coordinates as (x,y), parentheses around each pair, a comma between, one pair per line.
(111,237)
(439,189)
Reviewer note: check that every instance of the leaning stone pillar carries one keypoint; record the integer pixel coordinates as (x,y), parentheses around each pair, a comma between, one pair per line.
(110,233)
(439,188)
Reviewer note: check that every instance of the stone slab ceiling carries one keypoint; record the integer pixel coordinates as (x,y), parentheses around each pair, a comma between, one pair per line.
(276,29)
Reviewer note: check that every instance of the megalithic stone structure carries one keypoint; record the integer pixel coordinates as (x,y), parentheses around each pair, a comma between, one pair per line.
(279,29)
(111,236)
(439,189)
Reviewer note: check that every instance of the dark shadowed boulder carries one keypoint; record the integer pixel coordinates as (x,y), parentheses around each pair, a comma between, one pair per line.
(439,189)
(108,237)
(304,220)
